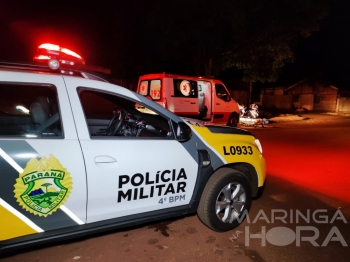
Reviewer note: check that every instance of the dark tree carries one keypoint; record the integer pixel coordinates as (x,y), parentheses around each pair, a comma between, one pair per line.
(256,36)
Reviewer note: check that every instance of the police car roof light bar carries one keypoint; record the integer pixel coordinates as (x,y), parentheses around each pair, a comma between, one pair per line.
(56,55)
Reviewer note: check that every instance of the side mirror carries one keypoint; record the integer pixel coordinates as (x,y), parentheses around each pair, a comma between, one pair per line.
(183,132)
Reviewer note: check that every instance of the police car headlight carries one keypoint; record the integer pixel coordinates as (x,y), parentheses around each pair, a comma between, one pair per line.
(257,142)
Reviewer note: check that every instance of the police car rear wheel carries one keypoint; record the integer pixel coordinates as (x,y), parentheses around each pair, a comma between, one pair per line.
(225,201)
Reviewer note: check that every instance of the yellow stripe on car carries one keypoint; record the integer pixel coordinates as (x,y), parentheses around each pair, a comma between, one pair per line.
(18,226)
(234,148)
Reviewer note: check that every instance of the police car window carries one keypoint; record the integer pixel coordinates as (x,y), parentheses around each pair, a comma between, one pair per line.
(185,88)
(29,111)
(109,115)
(221,92)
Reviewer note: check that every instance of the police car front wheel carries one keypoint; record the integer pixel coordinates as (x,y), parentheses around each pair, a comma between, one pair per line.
(225,201)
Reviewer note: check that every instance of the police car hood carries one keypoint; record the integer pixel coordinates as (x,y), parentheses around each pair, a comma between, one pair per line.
(219,129)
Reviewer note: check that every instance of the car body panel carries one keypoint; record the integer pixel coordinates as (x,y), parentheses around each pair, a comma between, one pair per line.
(103,182)
(222,144)
(166,169)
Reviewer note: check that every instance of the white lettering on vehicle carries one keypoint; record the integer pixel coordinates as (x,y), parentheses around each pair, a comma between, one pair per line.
(159,185)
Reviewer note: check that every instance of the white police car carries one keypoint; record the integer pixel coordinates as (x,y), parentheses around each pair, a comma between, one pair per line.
(79,156)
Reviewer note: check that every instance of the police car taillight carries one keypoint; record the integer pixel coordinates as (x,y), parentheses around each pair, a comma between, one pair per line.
(56,56)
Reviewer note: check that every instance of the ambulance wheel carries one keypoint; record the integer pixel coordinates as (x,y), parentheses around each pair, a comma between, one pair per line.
(225,201)
(233,120)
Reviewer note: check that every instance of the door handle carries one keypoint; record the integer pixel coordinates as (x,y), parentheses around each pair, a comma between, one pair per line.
(106,162)
(105,159)
(217,104)
(193,103)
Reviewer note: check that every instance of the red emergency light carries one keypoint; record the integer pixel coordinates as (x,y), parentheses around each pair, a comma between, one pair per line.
(56,55)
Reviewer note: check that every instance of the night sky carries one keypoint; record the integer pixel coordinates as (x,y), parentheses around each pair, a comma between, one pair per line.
(103,32)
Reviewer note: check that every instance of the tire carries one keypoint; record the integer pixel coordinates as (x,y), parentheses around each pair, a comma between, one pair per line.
(233,120)
(233,209)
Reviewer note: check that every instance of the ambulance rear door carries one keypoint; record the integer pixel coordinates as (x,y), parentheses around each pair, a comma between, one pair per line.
(152,89)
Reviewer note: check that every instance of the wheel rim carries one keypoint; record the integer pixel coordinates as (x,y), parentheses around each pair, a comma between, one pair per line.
(230,202)
(233,121)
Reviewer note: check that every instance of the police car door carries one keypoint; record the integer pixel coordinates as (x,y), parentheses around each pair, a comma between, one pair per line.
(137,169)
(41,162)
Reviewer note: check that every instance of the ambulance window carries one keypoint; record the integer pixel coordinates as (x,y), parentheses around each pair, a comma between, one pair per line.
(221,92)
(155,89)
(29,111)
(112,116)
(185,88)
(143,88)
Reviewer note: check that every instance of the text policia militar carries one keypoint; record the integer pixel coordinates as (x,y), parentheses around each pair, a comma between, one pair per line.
(141,186)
